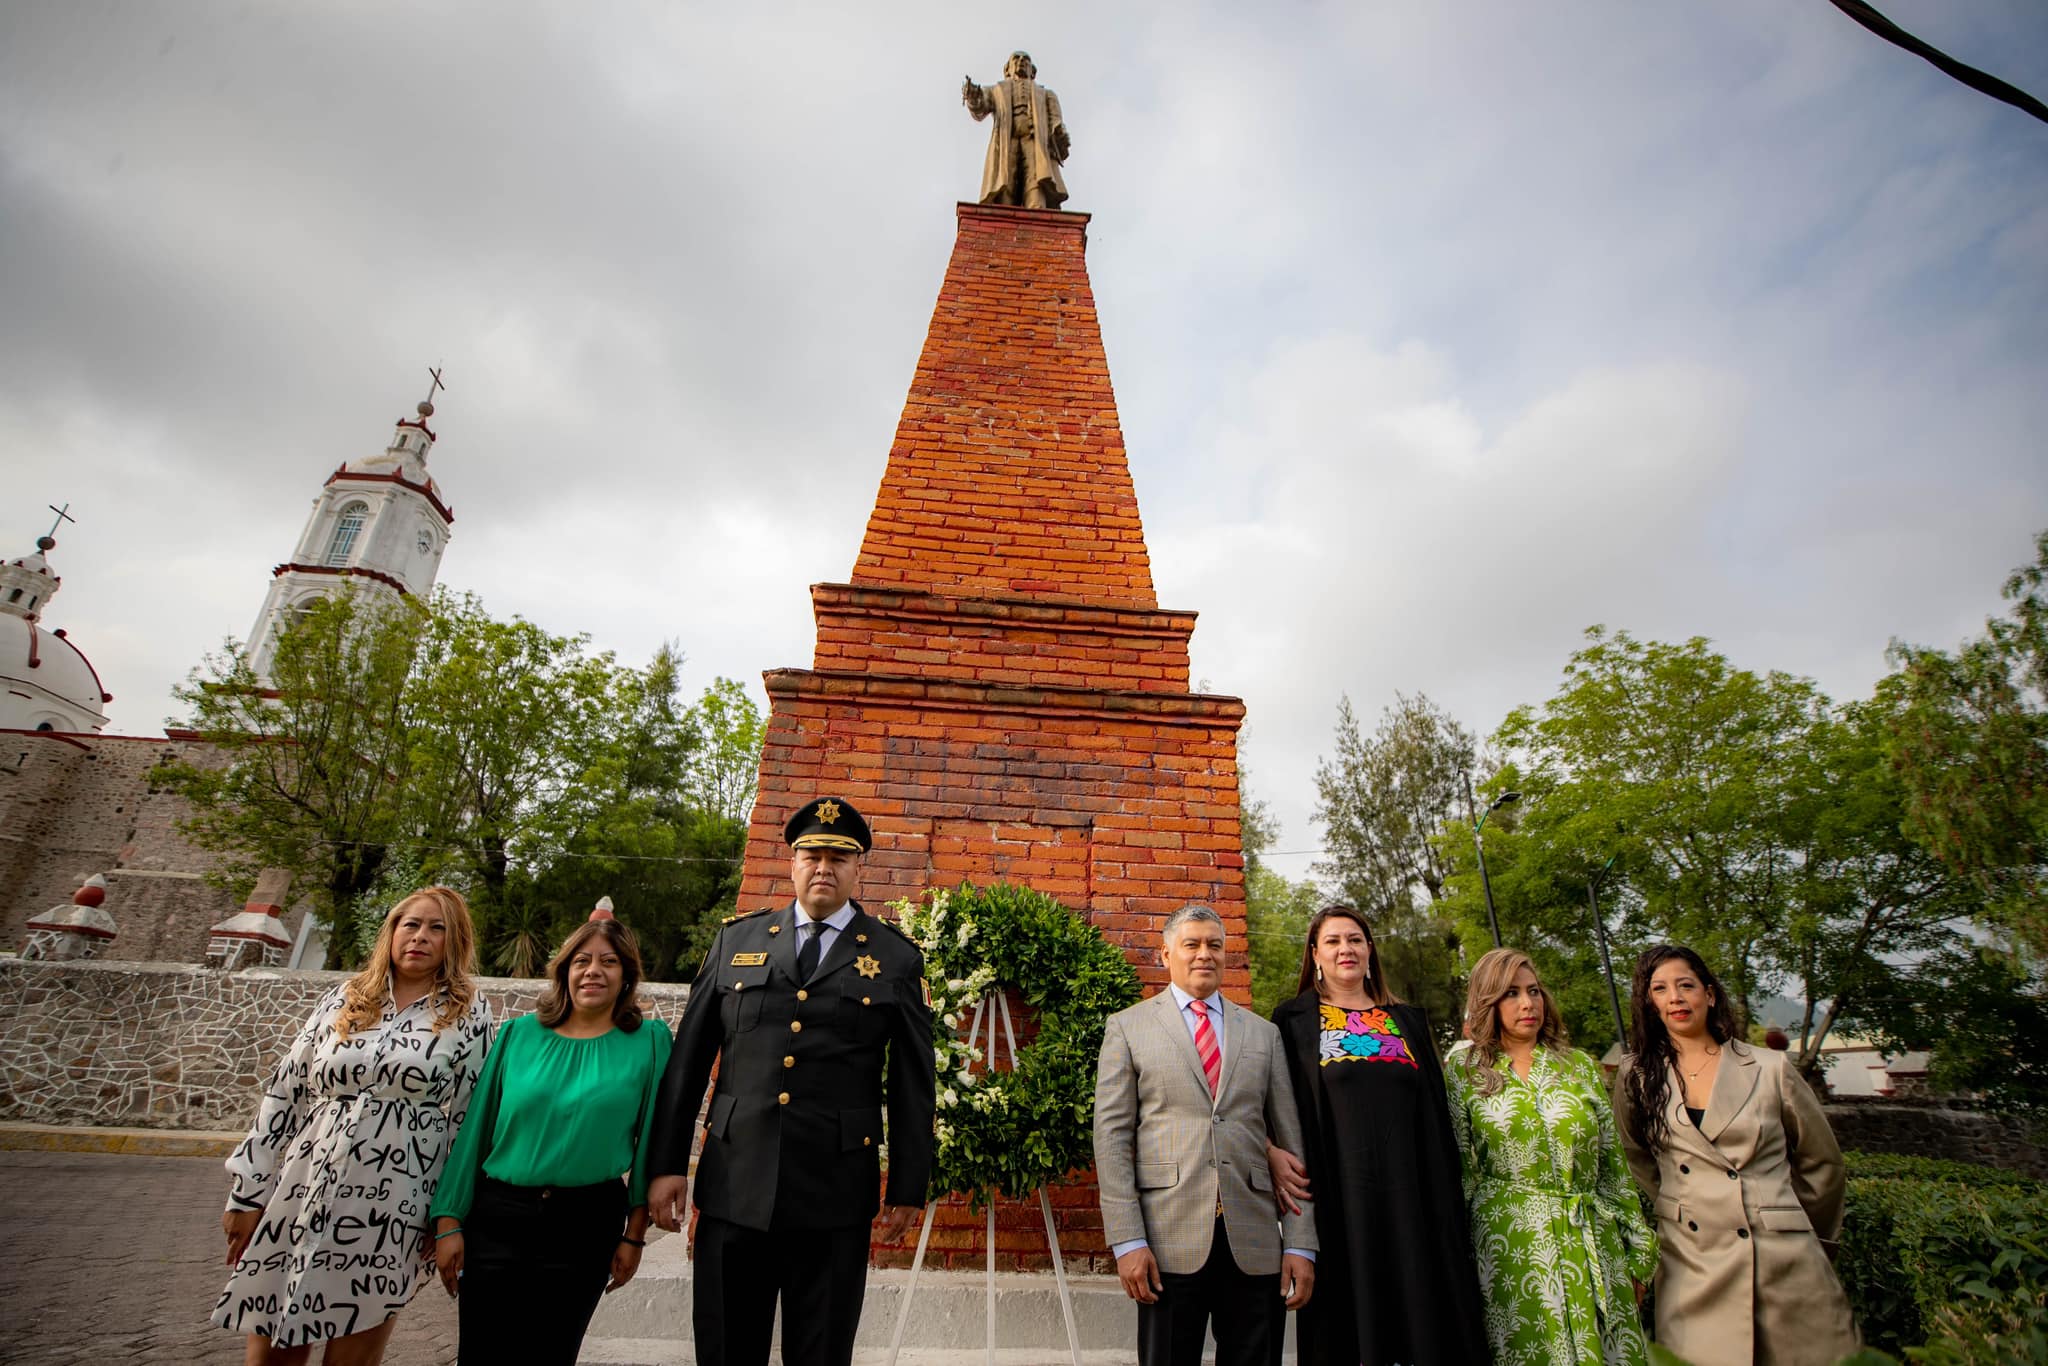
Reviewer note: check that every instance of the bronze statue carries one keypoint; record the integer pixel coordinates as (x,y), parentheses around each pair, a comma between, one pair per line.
(1029,141)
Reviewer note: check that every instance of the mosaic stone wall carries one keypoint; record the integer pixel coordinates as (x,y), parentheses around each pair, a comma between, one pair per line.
(163,1045)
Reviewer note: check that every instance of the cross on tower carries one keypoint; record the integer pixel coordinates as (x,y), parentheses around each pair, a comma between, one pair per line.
(63,516)
(435,372)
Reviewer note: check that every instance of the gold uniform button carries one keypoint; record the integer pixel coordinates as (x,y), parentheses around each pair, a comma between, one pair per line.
(866,1141)
(863,1000)
(739,986)
(802,995)
(782,1099)
(796,1026)
(789,1060)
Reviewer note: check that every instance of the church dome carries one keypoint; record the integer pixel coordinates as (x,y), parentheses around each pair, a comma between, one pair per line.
(46,682)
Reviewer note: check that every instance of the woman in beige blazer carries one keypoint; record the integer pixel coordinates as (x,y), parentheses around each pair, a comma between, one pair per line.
(1746,1175)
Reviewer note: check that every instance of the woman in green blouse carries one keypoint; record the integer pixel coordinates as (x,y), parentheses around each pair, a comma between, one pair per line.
(532,1221)
(1561,1242)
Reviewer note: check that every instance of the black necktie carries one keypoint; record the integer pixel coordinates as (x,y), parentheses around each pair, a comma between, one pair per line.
(807,956)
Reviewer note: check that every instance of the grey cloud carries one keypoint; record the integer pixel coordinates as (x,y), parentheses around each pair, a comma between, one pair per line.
(1439,331)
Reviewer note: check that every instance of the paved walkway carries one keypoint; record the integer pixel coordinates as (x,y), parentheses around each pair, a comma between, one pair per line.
(110,1257)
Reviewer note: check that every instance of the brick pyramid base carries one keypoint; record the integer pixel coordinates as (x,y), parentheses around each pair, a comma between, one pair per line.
(996,690)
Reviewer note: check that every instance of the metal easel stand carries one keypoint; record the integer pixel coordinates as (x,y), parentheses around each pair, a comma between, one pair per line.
(1052,1238)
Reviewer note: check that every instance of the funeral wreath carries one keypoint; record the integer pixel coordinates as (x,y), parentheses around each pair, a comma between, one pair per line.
(1010,1131)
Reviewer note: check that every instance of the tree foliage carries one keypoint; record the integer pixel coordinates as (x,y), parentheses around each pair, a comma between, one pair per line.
(1744,814)
(511,762)
(1276,910)
(1970,744)
(1382,801)
(315,762)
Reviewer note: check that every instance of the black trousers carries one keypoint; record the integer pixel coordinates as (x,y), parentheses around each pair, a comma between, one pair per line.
(535,1261)
(1249,1318)
(819,1274)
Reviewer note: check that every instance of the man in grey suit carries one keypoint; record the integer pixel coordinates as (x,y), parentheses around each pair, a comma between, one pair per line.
(1188,1090)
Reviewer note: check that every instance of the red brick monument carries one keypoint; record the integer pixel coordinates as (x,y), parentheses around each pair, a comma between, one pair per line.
(996,687)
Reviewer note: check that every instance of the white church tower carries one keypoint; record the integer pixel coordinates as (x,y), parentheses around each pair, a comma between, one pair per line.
(379,522)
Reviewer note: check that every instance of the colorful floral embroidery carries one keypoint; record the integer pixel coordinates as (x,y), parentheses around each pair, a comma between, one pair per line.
(1362,1036)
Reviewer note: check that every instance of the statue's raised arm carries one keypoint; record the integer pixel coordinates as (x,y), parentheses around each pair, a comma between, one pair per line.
(976,99)
(1029,141)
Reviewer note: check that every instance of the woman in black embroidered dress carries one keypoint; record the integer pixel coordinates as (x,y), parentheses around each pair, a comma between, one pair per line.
(1395,1284)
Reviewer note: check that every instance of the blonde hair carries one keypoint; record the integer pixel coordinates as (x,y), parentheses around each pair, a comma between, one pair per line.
(364,994)
(1492,975)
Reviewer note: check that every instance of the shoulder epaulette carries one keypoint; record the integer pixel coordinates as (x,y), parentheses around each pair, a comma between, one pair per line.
(747,915)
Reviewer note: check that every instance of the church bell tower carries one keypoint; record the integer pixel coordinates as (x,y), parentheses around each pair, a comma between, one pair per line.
(379,522)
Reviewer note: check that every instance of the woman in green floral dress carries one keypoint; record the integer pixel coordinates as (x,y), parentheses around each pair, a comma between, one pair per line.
(1562,1245)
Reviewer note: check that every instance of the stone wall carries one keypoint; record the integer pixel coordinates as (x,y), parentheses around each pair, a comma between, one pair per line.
(1939,1128)
(75,805)
(162,1045)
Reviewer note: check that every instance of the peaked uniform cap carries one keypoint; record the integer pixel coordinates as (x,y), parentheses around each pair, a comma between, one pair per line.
(828,823)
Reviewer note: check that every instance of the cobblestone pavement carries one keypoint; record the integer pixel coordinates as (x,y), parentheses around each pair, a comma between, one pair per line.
(106,1257)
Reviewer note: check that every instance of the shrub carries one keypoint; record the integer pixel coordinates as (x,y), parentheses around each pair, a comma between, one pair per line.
(1942,1250)
(1891,1166)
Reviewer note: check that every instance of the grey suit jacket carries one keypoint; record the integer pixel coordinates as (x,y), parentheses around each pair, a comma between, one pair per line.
(1167,1154)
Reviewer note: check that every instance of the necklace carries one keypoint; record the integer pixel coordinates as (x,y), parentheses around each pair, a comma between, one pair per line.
(1713,1052)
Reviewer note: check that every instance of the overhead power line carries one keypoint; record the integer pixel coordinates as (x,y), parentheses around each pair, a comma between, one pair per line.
(1968,75)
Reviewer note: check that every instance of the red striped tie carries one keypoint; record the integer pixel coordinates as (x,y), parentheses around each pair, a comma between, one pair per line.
(1205,1044)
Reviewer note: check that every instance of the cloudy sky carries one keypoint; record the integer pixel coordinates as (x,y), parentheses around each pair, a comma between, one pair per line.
(1441,331)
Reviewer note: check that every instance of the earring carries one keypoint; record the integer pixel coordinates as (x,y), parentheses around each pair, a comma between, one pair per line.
(1368,967)
(1319,974)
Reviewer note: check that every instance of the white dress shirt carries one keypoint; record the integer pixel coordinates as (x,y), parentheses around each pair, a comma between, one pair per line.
(834,923)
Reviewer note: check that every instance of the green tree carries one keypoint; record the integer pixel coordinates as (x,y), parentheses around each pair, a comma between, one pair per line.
(729,761)
(1744,814)
(315,761)
(1868,910)
(506,719)
(1686,767)
(1383,799)
(1970,744)
(651,830)
(1276,910)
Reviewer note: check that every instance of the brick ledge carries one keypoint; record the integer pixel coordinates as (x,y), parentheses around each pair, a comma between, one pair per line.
(1193,709)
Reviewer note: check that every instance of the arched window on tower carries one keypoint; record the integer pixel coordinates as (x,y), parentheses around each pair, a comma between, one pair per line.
(347,527)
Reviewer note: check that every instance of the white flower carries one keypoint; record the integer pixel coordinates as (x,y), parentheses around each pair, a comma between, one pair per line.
(966,932)
(952,1020)
(949,1097)
(966,1077)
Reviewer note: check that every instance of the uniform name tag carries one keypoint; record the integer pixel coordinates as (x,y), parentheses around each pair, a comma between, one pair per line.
(749,960)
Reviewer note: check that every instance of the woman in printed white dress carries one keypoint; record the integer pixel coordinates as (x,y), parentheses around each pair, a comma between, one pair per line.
(327,1215)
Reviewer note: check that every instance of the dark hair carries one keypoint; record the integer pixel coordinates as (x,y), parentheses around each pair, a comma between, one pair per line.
(1376,988)
(555,999)
(1648,1081)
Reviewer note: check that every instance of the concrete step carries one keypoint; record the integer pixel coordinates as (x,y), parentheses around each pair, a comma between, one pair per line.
(660,1352)
(647,1321)
(948,1310)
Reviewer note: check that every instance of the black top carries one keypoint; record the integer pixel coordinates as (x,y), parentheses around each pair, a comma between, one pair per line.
(1395,1244)
(795,1126)
(1696,1116)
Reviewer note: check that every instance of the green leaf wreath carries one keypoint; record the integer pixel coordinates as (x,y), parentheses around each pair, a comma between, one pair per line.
(1010,1132)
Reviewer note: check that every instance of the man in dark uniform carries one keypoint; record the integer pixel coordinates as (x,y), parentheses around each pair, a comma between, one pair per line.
(799,1007)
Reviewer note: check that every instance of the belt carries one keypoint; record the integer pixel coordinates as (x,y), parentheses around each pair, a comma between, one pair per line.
(506,1188)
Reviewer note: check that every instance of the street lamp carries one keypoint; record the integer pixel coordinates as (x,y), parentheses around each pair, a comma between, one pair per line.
(1479,847)
(1600,933)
